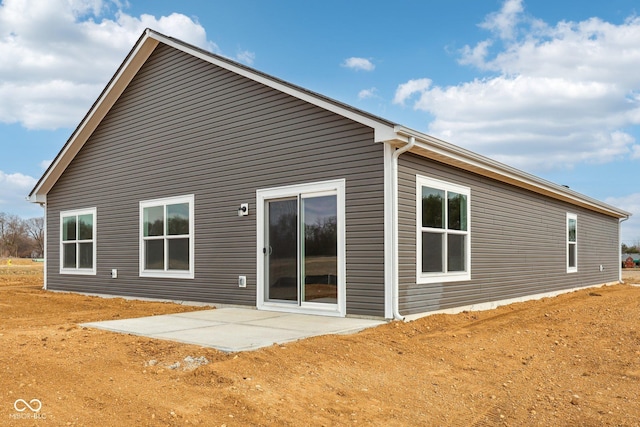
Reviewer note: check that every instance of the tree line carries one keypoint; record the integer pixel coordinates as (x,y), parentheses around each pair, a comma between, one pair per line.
(21,238)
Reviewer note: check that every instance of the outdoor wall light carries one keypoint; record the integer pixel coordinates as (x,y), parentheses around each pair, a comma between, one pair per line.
(243,210)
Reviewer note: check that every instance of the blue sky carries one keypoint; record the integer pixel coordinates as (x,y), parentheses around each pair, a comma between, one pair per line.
(544,86)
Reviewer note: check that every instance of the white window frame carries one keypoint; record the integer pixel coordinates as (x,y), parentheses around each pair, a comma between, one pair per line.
(166,273)
(440,277)
(333,187)
(76,213)
(571,269)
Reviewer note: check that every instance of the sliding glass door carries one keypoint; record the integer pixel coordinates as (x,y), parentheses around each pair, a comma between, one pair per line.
(301,251)
(301,247)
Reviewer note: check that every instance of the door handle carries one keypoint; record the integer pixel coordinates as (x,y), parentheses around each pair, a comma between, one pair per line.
(264,250)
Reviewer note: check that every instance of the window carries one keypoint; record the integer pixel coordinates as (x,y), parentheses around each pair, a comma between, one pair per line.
(166,237)
(572,243)
(443,239)
(78,241)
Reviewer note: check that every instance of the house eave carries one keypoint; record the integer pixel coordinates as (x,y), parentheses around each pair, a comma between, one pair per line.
(444,152)
(37,198)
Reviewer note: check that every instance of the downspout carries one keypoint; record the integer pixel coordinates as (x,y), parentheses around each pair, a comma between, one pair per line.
(619,248)
(394,192)
(44,245)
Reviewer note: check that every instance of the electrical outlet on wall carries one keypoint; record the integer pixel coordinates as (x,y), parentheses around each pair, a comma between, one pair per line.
(242,281)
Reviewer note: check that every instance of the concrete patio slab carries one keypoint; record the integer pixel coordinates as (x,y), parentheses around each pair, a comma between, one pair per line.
(151,325)
(235,329)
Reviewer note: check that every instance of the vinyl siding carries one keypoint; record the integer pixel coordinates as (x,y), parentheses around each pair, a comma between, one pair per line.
(518,243)
(184,126)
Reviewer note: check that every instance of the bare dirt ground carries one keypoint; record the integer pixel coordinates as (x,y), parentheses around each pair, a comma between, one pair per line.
(570,360)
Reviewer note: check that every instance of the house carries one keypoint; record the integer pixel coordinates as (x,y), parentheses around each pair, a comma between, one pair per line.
(195,178)
(628,263)
(630,260)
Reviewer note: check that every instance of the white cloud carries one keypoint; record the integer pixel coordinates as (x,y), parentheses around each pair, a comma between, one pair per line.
(406,90)
(13,188)
(557,95)
(476,56)
(246,57)
(367,93)
(17,180)
(358,64)
(45,164)
(504,23)
(631,227)
(57,55)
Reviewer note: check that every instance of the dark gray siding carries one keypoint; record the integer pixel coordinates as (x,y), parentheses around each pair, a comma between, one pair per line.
(517,243)
(185,126)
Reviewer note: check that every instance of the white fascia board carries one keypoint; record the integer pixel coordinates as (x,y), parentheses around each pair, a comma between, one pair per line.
(383,131)
(127,71)
(37,198)
(458,156)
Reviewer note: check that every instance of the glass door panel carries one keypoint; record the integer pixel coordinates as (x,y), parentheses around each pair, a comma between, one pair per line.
(281,250)
(319,252)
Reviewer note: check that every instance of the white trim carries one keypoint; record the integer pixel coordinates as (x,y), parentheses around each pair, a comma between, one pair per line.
(94,226)
(174,274)
(571,216)
(421,277)
(390,206)
(490,305)
(336,187)
(620,221)
(44,247)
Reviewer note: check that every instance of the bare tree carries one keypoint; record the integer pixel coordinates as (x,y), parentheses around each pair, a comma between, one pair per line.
(14,232)
(3,221)
(35,230)
(19,237)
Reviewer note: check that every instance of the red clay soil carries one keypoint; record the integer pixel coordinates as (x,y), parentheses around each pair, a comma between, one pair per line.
(569,360)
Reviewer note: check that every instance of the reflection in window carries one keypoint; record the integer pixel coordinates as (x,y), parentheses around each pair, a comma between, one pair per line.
(572,243)
(77,253)
(167,234)
(320,253)
(443,231)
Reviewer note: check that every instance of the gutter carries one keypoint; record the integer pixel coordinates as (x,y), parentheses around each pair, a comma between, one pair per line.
(44,246)
(394,197)
(620,221)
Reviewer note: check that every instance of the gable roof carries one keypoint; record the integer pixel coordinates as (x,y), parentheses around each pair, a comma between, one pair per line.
(384,130)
